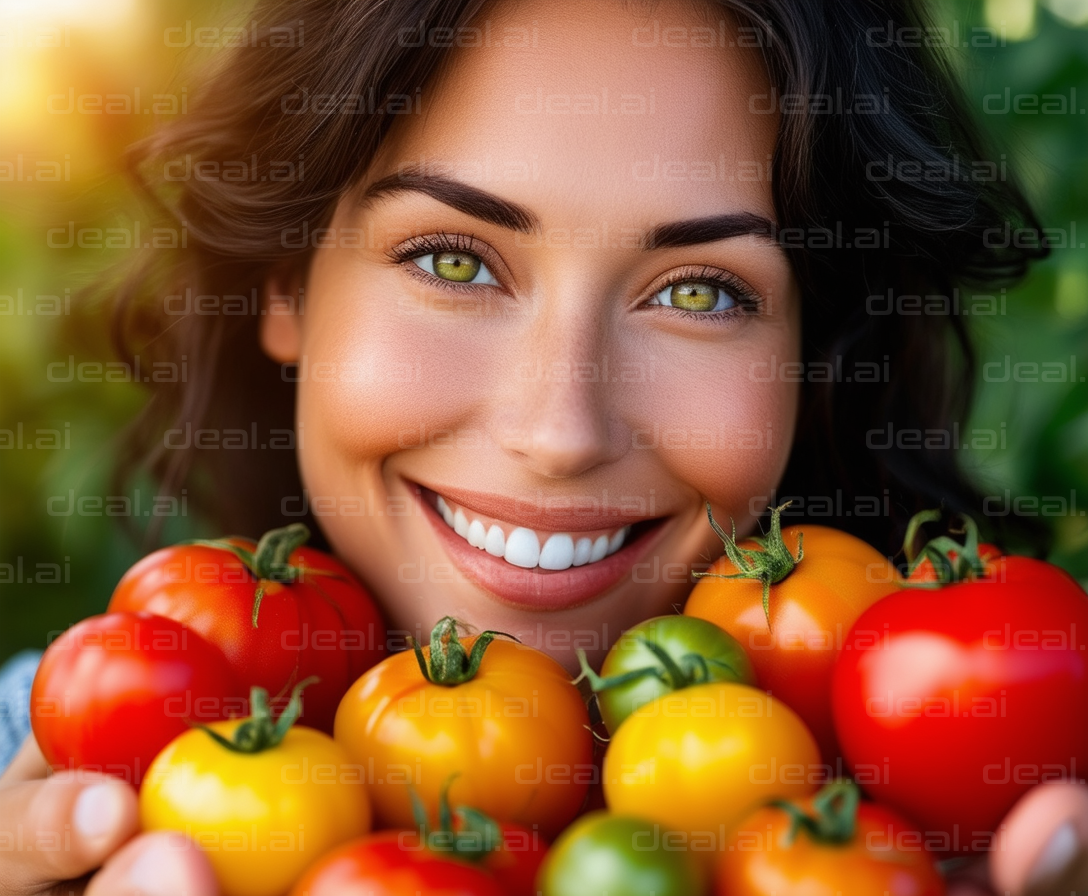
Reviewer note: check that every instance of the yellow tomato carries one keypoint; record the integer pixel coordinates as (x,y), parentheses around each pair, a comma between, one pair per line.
(700,759)
(512,731)
(260,817)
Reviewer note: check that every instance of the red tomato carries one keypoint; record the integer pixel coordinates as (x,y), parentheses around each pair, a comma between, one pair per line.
(314,618)
(950,703)
(394,863)
(516,862)
(113,690)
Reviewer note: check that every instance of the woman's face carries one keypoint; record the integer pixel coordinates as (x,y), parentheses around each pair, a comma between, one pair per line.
(560,334)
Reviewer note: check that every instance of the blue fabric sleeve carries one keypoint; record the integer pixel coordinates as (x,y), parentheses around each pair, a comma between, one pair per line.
(16,676)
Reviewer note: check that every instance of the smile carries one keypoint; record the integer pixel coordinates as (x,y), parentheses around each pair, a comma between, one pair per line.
(537,557)
(529,548)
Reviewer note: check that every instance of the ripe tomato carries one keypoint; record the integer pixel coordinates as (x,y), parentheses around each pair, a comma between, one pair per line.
(261,798)
(706,756)
(828,845)
(280,612)
(395,863)
(952,702)
(662,655)
(792,614)
(505,719)
(618,855)
(113,690)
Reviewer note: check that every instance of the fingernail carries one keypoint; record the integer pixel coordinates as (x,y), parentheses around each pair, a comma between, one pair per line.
(98,810)
(164,868)
(1061,857)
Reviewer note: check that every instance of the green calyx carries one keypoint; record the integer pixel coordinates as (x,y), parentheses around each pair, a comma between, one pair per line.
(952,561)
(478,835)
(834,814)
(268,562)
(770,564)
(260,731)
(677,674)
(449,664)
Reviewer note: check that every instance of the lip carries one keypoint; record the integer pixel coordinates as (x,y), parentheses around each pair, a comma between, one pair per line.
(540,589)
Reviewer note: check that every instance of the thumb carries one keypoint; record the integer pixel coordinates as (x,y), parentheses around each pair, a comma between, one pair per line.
(1043,847)
(62,827)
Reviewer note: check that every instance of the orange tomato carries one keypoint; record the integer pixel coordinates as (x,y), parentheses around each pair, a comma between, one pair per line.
(513,733)
(793,646)
(873,850)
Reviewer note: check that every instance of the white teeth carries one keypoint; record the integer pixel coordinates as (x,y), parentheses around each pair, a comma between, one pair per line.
(496,541)
(600,548)
(582,549)
(477,537)
(616,540)
(522,548)
(558,552)
(460,523)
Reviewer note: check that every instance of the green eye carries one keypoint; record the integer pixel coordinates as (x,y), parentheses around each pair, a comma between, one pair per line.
(695,295)
(458,267)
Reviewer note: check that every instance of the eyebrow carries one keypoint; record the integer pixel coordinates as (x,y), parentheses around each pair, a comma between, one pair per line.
(512,216)
(709,230)
(470,200)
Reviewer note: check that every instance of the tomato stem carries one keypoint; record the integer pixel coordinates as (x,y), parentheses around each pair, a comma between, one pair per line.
(691,669)
(770,564)
(951,560)
(834,816)
(479,834)
(260,732)
(449,664)
(268,562)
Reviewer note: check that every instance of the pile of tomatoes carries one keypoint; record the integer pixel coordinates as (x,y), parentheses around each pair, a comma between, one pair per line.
(245,689)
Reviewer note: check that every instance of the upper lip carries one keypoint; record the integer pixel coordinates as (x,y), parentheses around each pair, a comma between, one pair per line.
(583,512)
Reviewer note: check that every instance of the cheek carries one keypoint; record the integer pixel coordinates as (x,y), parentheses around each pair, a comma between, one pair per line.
(373,378)
(721,431)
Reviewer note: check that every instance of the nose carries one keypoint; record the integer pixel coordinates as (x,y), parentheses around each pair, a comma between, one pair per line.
(559,417)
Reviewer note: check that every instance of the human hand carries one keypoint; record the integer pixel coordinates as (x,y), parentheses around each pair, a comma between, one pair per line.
(1041,849)
(58,830)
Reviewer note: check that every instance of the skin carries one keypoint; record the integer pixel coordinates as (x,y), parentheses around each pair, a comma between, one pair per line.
(561,305)
(558,303)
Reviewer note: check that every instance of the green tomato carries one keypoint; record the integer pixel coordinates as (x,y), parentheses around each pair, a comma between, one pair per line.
(617,855)
(662,655)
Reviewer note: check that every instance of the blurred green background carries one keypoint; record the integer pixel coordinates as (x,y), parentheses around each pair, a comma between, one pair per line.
(1025,66)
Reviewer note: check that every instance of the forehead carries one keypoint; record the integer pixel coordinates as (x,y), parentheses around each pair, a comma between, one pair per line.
(587,104)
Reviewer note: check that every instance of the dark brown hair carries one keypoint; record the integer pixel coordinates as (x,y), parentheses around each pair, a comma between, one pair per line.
(327,100)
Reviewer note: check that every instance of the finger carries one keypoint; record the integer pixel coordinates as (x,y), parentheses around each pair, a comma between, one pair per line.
(164,863)
(1042,849)
(62,827)
(27,764)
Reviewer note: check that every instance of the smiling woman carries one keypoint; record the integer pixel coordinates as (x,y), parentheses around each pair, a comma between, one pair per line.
(691,287)
(562,280)
(525,355)
(520,294)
